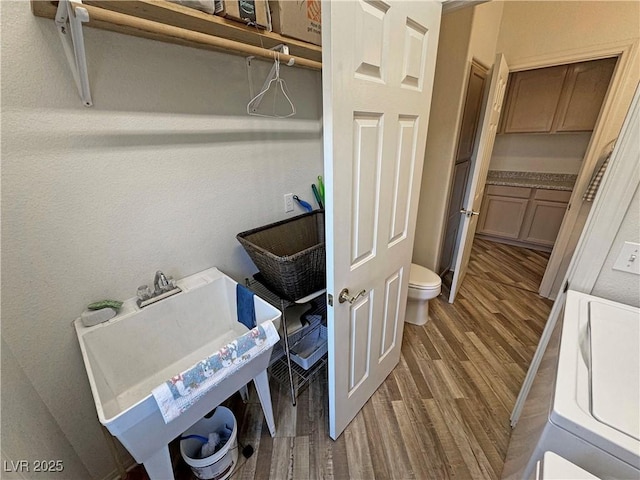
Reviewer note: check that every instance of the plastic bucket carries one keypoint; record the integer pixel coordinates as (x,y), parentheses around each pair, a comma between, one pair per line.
(221,464)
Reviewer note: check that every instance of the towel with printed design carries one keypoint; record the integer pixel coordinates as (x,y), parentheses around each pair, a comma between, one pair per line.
(179,393)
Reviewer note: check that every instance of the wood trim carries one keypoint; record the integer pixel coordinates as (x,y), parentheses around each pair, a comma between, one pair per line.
(584,54)
(449,6)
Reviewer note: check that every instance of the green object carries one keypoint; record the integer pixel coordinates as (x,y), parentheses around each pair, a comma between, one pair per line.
(105,304)
(321,188)
(317,195)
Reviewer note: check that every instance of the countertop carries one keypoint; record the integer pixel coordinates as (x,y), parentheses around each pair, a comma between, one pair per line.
(549,181)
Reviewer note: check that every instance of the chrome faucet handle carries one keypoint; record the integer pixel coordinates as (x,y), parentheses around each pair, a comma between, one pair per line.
(160,282)
(144,292)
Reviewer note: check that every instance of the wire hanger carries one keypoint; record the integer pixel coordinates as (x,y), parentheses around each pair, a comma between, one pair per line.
(279,86)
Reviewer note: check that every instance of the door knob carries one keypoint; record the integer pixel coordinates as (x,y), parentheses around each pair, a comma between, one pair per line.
(344,296)
(468,213)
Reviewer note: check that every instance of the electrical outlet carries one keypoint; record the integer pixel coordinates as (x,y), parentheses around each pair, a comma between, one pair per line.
(288,202)
(628,260)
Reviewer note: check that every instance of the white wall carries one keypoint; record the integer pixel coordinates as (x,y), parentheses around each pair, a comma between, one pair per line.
(532,28)
(161,174)
(485,29)
(23,408)
(559,153)
(444,121)
(613,284)
(465,34)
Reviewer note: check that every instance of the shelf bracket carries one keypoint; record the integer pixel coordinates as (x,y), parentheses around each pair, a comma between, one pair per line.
(69,19)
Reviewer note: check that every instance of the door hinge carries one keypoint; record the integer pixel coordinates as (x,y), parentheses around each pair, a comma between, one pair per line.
(566,287)
(568,207)
(330,299)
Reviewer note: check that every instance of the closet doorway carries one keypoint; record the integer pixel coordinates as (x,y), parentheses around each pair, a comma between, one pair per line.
(545,132)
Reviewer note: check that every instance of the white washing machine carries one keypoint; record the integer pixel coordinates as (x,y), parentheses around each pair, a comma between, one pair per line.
(554,467)
(585,399)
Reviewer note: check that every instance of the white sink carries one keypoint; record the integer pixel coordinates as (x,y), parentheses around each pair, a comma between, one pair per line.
(139,349)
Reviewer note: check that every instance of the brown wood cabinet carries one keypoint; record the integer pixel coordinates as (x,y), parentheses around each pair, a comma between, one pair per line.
(532,99)
(584,89)
(565,98)
(502,211)
(525,216)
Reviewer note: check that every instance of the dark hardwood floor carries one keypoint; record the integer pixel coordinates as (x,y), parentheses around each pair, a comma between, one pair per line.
(444,410)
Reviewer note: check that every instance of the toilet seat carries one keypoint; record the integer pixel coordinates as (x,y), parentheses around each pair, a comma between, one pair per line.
(421,278)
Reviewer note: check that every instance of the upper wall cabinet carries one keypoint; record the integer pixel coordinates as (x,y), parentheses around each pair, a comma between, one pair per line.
(565,98)
(584,89)
(532,99)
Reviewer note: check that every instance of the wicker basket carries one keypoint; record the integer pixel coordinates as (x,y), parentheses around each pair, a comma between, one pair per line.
(290,254)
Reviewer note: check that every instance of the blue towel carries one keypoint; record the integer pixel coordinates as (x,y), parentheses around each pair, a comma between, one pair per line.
(245,306)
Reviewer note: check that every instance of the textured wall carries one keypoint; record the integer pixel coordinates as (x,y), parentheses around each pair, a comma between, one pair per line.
(487,19)
(444,120)
(540,153)
(160,174)
(464,35)
(532,28)
(613,284)
(23,409)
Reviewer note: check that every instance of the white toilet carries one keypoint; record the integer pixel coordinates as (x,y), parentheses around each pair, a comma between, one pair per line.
(423,286)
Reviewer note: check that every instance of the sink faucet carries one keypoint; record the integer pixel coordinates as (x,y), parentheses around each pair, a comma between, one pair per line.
(160,283)
(163,287)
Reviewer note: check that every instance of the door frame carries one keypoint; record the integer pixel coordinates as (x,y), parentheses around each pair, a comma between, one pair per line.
(614,107)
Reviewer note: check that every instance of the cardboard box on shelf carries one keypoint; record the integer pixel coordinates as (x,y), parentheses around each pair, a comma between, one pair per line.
(299,19)
(248,11)
(207,6)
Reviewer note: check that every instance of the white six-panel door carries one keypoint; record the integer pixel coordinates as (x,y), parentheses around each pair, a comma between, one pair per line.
(378,65)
